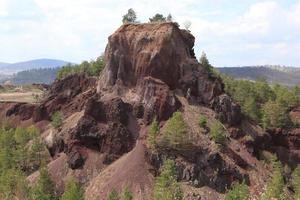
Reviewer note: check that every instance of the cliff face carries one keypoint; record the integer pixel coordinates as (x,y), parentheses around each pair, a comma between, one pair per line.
(136,51)
(148,56)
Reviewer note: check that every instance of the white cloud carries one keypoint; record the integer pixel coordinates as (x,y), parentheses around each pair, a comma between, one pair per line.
(3,7)
(78,29)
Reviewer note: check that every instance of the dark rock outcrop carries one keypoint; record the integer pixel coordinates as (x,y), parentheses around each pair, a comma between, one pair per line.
(226,110)
(157,59)
(158,100)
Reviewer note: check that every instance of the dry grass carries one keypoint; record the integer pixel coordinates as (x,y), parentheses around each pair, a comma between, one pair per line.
(27,97)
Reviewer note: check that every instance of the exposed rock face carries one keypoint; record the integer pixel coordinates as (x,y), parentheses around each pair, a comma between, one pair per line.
(159,58)
(227,111)
(25,111)
(157,99)
(200,168)
(136,51)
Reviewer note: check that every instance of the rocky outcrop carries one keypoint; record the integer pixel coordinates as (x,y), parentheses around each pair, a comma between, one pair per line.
(226,110)
(158,59)
(158,100)
(200,168)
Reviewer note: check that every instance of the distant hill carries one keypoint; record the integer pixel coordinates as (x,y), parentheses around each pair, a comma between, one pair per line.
(42,76)
(31,64)
(288,76)
(2,64)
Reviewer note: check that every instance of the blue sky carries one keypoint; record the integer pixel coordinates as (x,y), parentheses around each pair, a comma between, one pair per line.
(231,32)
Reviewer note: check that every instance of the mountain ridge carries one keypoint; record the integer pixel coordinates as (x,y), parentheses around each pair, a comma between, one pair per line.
(289,76)
(7,68)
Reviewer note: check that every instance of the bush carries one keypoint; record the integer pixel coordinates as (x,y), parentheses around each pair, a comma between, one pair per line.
(166,186)
(217,133)
(175,130)
(295,180)
(56,119)
(153,132)
(202,121)
(238,192)
(126,194)
(113,195)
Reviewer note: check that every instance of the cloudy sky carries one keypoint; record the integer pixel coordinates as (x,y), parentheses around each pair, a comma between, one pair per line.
(231,32)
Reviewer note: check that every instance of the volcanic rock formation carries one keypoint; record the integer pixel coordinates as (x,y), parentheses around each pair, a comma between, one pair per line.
(151,72)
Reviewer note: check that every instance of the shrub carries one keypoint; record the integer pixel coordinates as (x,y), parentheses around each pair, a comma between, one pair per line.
(296,181)
(113,195)
(166,186)
(238,192)
(175,130)
(202,121)
(126,194)
(56,119)
(153,132)
(217,133)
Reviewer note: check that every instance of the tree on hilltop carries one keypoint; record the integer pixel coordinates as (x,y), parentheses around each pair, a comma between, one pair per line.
(130,17)
(158,18)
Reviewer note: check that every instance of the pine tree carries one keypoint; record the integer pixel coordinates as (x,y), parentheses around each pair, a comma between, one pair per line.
(296,181)
(175,131)
(73,192)
(166,186)
(45,189)
(238,192)
(205,63)
(130,17)
(157,18)
(153,132)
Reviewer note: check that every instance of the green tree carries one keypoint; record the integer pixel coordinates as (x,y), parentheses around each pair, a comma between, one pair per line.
(251,109)
(238,192)
(166,186)
(275,115)
(113,195)
(126,194)
(205,63)
(275,187)
(56,119)
(73,192)
(263,90)
(44,189)
(13,185)
(130,17)
(153,132)
(295,181)
(157,18)
(217,133)
(175,131)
